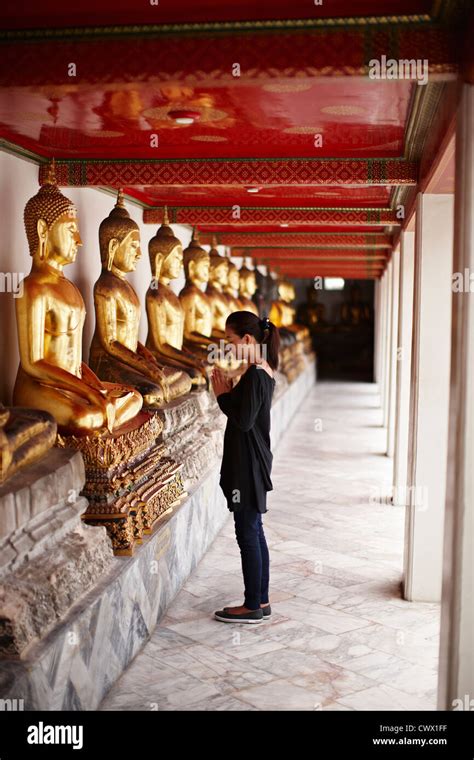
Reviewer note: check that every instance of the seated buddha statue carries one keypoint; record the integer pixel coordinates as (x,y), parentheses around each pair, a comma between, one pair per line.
(231,288)
(164,309)
(25,436)
(198,327)
(247,288)
(301,331)
(281,315)
(50,317)
(116,354)
(218,271)
(278,308)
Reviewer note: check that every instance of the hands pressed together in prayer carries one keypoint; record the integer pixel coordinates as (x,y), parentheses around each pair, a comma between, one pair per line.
(220,383)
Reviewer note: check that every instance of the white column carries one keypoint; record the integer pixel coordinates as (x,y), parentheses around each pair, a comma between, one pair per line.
(404,332)
(429,399)
(377,305)
(392,379)
(383,304)
(388,343)
(456,665)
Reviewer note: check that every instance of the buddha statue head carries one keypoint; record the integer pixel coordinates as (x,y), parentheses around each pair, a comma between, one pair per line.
(166,252)
(196,262)
(218,266)
(283,290)
(287,291)
(119,239)
(233,277)
(51,225)
(247,281)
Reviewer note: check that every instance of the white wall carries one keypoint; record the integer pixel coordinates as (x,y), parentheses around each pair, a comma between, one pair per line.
(18,183)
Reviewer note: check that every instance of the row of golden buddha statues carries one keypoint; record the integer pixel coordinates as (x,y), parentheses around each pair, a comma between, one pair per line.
(105,408)
(125,373)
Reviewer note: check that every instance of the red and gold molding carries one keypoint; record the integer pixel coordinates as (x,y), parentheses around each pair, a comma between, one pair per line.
(303,254)
(208,58)
(338,217)
(224,171)
(337,270)
(318,240)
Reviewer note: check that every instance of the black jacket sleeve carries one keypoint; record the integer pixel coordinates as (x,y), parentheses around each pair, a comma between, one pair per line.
(242,404)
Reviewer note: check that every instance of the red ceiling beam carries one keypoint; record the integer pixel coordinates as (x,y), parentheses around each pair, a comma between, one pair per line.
(209,58)
(218,229)
(345,275)
(298,239)
(289,172)
(318,267)
(340,217)
(334,271)
(304,254)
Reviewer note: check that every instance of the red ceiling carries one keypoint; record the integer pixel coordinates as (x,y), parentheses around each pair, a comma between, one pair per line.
(191,195)
(52,13)
(355,118)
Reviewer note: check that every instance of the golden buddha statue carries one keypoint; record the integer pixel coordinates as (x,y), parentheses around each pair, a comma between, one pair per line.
(288,296)
(277,307)
(116,354)
(50,317)
(218,272)
(164,309)
(231,288)
(25,436)
(282,313)
(247,288)
(198,334)
(286,290)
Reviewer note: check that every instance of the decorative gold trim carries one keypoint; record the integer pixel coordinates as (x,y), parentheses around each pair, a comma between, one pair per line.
(346,209)
(149,30)
(333,247)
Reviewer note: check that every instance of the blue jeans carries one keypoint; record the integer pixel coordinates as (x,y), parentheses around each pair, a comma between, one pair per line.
(255,557)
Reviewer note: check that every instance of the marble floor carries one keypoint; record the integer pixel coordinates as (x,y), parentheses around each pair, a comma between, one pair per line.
(341,637)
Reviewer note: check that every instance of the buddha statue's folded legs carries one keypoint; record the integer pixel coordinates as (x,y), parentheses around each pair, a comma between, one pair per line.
(112,407)
(25,436)
(111,370)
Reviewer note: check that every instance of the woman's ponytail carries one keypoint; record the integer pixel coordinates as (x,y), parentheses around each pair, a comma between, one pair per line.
(271,339)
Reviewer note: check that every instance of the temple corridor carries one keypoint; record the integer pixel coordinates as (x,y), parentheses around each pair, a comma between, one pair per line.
(341,636)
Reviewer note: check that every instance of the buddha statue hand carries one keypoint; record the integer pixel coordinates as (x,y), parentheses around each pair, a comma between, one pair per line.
(105,395)
(153,369)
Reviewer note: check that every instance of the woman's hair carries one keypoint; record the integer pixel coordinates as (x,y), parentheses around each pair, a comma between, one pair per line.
(264,332)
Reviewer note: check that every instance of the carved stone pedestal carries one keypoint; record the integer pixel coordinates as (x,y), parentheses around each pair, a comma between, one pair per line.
(192,433)
(131,482)
(48,557)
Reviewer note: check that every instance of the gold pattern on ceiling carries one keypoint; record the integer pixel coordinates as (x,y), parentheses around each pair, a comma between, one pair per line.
(209,138)
(303,130)
(287,87)
(343,110)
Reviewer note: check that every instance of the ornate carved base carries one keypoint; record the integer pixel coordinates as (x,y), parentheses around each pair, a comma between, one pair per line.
(131,482)
(292,360)
(48,558)
(192,433)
